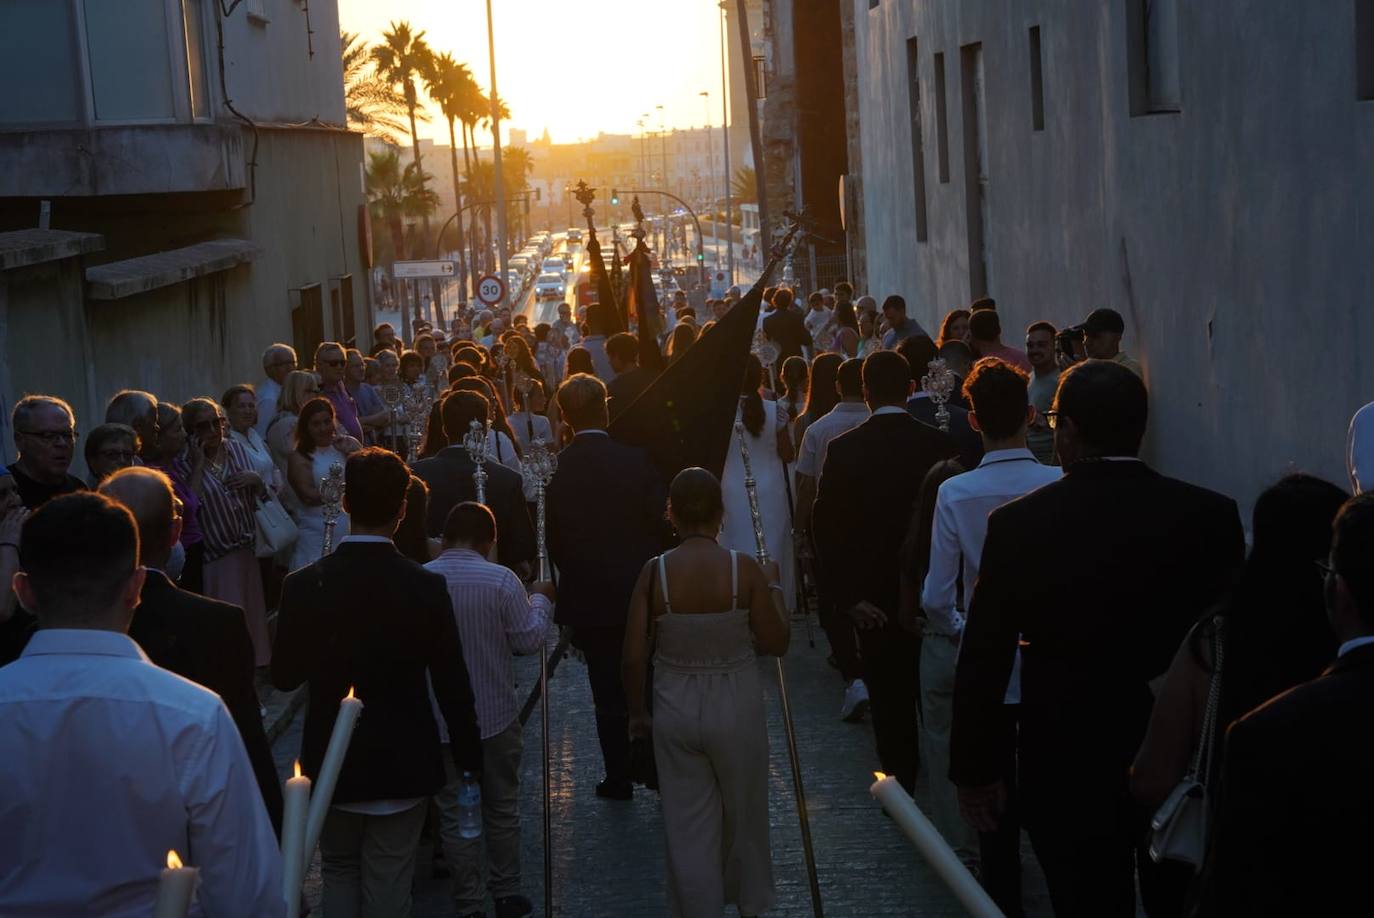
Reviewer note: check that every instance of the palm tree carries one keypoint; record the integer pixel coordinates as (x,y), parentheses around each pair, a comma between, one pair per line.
(402,56)
(451,85)
(372,105)
(745,185)
(518,164)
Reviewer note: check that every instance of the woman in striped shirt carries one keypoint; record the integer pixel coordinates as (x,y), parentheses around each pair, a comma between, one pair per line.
(228,489)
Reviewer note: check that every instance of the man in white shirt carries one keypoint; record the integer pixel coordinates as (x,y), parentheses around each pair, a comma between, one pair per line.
(112,762)
(1359,450)
(277,361)
(848,413)
(495,620)
(1001,413)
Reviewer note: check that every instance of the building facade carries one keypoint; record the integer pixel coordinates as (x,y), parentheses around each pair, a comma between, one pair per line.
(177,191)
(1204,169)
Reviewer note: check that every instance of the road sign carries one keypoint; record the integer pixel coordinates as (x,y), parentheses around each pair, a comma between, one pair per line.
(426,269)
(491,289)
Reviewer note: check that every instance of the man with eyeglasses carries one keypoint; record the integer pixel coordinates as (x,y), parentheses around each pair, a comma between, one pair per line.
(45,437)
(331,363)
(277,361)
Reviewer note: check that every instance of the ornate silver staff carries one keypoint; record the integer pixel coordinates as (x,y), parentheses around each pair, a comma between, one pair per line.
(331,494)
(938,384)
(475,442)
(416,406)
(539,465)
(761,552)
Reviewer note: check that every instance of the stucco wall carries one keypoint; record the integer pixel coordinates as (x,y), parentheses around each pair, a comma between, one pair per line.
(1234,236)
(269,71)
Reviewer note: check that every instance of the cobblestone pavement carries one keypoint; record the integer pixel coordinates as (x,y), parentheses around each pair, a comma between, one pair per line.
(608,855)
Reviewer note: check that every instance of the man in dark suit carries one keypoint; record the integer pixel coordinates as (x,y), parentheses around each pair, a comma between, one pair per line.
(864,502)
(201,639)
(1099,603)
(1298,769)
(605,509)
(785,326)
(369,620)
(630,378)
(449,476)
(919,351)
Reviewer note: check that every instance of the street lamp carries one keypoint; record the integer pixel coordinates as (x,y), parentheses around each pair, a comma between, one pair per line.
(725,131)
(710,172)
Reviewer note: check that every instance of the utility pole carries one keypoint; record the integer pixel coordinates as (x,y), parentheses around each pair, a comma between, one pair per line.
(755,131)
(496,152)
(711,175)
(725,130)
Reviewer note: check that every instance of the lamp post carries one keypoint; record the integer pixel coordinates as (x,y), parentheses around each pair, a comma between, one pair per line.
(711,173)
(725,132)
(496,151)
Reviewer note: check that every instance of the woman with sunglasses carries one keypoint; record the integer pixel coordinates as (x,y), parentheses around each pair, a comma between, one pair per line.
(227,487)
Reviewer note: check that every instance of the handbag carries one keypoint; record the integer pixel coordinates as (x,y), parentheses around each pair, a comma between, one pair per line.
(275,530)
(1178,831)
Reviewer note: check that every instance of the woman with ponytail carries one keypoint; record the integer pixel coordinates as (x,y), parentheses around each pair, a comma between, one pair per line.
(762,423)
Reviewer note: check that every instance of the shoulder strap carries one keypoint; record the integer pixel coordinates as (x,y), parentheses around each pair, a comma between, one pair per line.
(1202,757)
(734,579)
(663,584)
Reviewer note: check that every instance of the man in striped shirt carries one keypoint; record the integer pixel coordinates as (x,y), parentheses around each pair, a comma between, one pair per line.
(496,619)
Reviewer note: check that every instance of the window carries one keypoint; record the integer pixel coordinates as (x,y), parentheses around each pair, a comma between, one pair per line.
(131,77)
(1037,82)
(941,120)
(975,166)
(42,41)
(1153,56)
(307,319)
(918,169)
(1364,49)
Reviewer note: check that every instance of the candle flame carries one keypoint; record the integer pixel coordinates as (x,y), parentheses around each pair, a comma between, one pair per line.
(298,768)
(879,775)
(350,693)
(173,862)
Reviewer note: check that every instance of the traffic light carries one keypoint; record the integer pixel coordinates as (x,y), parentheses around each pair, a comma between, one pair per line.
(615,196)
(700,257)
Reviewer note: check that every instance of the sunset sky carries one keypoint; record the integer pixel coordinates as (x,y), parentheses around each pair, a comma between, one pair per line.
(576,68)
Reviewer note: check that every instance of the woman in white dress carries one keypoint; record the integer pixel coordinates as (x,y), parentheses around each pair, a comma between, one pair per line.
(318,447)
(763,421)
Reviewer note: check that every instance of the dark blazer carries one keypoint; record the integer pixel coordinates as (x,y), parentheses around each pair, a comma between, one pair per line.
(369,618)
(449,476)
(970,442)
(864,501)
(1299,770)
(605,509)
(626,387)
(1101,574)
(207,641)
(787,329)
(203,640)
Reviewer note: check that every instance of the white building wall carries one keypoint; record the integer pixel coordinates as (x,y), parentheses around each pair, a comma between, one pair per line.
(1233,235)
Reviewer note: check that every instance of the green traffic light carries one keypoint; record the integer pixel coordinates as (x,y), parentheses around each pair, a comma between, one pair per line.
(615,196)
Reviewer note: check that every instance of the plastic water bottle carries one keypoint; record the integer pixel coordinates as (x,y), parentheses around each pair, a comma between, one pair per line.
(469,807)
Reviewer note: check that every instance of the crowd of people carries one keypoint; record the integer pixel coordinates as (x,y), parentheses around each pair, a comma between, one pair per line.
(1063,640)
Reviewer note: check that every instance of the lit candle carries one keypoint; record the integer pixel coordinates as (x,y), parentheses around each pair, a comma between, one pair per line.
(933,847)
(349,709)
(174,889)
(296,799)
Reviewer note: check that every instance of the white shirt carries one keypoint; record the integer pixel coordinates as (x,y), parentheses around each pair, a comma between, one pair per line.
(816,320)
(889,409)
(269,393)
(1359,450)
(844,417)
(495,620)
(520,423)
(960,528)
(110,762)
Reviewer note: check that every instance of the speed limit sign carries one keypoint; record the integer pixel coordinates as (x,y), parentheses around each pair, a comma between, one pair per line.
(491,289)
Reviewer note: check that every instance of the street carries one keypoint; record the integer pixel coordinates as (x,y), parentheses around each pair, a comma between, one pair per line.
(608,855)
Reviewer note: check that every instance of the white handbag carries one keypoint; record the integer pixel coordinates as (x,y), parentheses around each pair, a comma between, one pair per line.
(1178,831)
(275,528)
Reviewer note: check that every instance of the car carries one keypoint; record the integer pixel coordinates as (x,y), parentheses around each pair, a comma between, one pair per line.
(549,286)
(568,260)
(553,265)
(574,234)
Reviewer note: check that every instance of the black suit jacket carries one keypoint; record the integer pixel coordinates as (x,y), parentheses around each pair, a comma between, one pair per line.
(1298,770)
(970,442)
(200,639)
(605,509)
(369,618)
(626,387)
(787,329)
(207,641)
(1101,574)
(449,476)
(864,500)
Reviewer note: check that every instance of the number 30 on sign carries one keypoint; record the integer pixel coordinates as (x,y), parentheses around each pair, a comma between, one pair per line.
(490,289)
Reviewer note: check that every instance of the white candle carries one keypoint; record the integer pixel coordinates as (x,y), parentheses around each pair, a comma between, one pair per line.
(349,709)
(933,847)
(296,798)
(174,889)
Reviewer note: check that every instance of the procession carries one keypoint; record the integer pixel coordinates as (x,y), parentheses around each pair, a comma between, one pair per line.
(605,530)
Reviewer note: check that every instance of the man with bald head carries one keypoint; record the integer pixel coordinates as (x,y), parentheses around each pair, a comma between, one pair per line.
(277,361)
(199,638)
(137,409)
